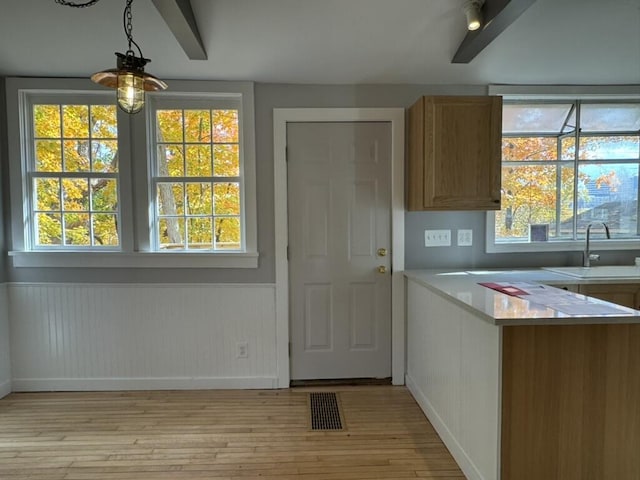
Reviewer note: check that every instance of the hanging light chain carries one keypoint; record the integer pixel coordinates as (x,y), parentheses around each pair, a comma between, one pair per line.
(77,5)
(128,26)
(127,18)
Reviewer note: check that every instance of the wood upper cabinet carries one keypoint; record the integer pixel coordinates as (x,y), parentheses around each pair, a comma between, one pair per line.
(454,153)
(625,294)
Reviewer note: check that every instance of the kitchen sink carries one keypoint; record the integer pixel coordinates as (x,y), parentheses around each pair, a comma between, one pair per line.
(604,271)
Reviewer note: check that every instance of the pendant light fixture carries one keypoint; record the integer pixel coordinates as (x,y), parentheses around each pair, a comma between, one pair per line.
(129,77)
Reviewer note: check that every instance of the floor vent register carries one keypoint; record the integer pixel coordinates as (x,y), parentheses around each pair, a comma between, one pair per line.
(325,411)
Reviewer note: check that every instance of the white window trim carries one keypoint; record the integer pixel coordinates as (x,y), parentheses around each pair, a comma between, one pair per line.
(554,245)
(133,260)
(29,98)
(135,251)
(205,101)
(563,92)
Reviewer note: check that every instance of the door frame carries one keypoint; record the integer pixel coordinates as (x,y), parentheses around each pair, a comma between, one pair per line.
(396,117)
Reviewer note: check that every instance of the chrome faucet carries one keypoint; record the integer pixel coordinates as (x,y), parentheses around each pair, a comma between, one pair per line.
(587,256)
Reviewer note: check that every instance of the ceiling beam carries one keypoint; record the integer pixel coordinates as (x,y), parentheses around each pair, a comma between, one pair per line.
(179,17)
(498,14)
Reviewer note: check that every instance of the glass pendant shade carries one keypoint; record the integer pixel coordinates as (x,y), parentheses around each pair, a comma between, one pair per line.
(130,92)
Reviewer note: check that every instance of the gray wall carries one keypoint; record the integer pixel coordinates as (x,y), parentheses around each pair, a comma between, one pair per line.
(267,97)
(5,357)
(4,191)
(417,256)
(263,274)
(270,96)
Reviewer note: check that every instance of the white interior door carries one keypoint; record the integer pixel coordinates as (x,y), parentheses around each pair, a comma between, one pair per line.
(339,241)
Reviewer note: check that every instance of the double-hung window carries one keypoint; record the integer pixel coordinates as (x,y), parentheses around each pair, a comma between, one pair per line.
(71,165)
(567,164)
(93,187)
(196,182)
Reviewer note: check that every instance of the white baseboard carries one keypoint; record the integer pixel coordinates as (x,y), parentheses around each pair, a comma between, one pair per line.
(5,388)
(173,383)
(464,462)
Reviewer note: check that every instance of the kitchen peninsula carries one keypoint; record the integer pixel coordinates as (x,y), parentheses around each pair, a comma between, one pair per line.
(519,390)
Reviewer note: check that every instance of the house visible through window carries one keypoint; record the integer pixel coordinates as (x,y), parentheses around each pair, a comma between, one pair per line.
(197,182)
(73,176)
(566,164)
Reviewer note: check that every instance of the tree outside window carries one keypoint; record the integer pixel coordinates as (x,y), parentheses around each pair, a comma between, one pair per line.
(197,179)
(568,164)
(74,176)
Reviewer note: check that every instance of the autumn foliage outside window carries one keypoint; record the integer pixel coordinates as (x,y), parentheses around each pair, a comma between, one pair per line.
(74,176)
(567,164)
(197,179)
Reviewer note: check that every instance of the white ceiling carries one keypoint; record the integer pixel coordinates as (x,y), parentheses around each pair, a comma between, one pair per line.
(331,41)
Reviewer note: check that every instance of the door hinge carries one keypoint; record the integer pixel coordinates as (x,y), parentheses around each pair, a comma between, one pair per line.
(287,253)
(289,349)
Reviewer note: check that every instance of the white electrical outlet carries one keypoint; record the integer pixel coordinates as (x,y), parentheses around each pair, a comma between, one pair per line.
(242,350)
(437,238)
(465,238)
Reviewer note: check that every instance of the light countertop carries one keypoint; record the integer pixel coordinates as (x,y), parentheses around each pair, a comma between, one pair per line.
(463,288)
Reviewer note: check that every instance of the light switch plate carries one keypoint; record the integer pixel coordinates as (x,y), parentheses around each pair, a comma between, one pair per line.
(465,238)
(437,238)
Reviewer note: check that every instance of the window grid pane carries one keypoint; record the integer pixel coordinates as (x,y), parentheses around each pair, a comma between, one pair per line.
(610,117)
(197,149)
(542,173)
(541,118)
(75,176)
(609,147)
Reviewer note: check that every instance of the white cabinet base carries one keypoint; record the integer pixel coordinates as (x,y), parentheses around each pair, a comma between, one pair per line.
(454,375)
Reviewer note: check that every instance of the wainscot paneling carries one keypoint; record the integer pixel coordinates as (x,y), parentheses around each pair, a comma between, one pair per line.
(169,336)
(453,373)
(5,358)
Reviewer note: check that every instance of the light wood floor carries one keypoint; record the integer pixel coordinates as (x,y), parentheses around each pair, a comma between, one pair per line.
(217,435)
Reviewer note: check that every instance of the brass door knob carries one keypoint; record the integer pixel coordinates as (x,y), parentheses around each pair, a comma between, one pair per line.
(382,269)
(382,252)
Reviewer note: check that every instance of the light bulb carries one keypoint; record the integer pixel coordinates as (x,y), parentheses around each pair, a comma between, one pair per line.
(130,92)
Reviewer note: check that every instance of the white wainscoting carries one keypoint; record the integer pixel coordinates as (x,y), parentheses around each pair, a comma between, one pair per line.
(453,372)
(5,357)
(134,337)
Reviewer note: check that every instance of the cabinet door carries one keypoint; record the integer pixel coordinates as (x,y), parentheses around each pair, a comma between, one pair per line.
(454,153)
(625,294)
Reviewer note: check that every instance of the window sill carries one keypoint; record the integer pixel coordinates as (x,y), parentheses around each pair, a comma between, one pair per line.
(569,246)
(133,260)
